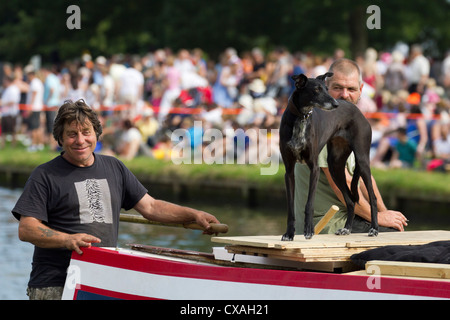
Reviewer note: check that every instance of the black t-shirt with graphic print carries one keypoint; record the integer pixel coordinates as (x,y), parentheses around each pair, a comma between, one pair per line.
(76,199)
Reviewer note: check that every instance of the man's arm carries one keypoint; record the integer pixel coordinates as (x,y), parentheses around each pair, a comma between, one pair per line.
(380,204)
(162,211)
(34,231)
(386,218)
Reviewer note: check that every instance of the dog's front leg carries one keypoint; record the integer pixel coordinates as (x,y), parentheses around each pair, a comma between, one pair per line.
(309,208)
(289,179)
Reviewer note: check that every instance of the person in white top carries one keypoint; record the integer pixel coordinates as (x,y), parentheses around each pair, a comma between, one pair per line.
(52,99)
(441,144)
(188,73)
(172,85)
(35,104)
(446,71)
(418,70)
(131,88)
(9,110)
(130,144)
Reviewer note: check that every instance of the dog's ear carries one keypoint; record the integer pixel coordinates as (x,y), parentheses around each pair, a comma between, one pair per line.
(324,76)
(300,80)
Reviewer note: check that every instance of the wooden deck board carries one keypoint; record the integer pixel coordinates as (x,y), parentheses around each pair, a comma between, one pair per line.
(325,247)
(334,241)
(410,269)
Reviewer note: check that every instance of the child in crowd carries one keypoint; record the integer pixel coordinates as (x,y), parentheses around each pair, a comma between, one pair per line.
(405,151)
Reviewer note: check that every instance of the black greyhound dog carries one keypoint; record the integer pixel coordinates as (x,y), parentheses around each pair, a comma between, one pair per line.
(312,120)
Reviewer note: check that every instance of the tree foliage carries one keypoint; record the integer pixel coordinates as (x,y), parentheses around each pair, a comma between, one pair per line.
(138,26)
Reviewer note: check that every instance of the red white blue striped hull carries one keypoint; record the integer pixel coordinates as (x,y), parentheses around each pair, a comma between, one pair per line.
(103,273)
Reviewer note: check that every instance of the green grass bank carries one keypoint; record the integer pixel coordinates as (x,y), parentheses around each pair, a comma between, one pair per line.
(407,183)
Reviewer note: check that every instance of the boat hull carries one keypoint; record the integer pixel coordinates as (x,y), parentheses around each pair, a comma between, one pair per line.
(106,273)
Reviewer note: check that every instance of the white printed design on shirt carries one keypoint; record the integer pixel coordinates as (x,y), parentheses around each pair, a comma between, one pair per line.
(95,201)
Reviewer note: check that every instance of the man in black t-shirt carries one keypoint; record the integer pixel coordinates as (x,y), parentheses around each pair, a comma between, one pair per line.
(74,201)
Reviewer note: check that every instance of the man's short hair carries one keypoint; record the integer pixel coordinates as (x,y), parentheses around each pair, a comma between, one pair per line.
(77,111)
(347,67)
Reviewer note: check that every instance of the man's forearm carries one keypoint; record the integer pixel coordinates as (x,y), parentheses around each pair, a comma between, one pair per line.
(380,203)
(162,211)
(170,212)
(34,231)
(362,208)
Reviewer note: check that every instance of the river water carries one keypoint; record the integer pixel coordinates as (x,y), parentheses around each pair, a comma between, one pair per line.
(15,261)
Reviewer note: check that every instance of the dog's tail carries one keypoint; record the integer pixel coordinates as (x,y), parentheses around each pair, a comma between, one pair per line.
(354,185)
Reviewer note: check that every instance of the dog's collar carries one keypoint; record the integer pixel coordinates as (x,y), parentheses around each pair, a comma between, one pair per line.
(307,115)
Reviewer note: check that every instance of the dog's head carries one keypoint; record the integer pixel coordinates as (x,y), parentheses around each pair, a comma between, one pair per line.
(313,92)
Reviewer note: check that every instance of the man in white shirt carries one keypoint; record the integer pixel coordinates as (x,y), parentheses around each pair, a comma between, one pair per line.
(52,99)
(131,88)
(419,70)
(35,104)
(9,110)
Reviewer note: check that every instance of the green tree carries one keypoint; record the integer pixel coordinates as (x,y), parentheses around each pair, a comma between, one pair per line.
(138,26)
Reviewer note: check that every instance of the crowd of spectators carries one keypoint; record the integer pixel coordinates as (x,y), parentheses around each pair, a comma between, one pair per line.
(143,99)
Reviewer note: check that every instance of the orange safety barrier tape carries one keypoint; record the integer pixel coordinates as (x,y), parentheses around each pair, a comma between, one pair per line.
(235,111)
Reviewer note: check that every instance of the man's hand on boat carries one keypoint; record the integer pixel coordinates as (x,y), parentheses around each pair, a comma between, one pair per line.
(79,240)
(36,232)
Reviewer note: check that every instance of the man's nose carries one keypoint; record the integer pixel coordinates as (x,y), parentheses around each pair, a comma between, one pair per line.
(80,138)
(344,94)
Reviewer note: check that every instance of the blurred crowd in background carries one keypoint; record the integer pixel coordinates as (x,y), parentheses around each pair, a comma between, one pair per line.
(143,99)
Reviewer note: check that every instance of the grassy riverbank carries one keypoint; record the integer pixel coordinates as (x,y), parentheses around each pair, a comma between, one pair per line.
(410,183)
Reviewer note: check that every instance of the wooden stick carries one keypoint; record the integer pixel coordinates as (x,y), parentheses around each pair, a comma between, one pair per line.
(215,227)
(410,269)
(325,219)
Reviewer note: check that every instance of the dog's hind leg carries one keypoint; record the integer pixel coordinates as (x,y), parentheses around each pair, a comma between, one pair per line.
(355,184)
(350,204)
(367,178)
(361,151)
(336,164)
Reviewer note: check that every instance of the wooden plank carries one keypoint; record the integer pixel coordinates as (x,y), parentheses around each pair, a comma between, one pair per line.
(295,255)
(266,252)
(401,238)
(332,252)
(319,241)
(410,269)
(222,254)
(298,253)
(253,241)
(325,219)
(326,247)
(298,258)
(333,241)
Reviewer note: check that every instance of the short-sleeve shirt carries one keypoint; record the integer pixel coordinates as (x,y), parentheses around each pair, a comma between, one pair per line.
(325,196)
(10,101)
(37,87)
(74,199)
(52,83)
